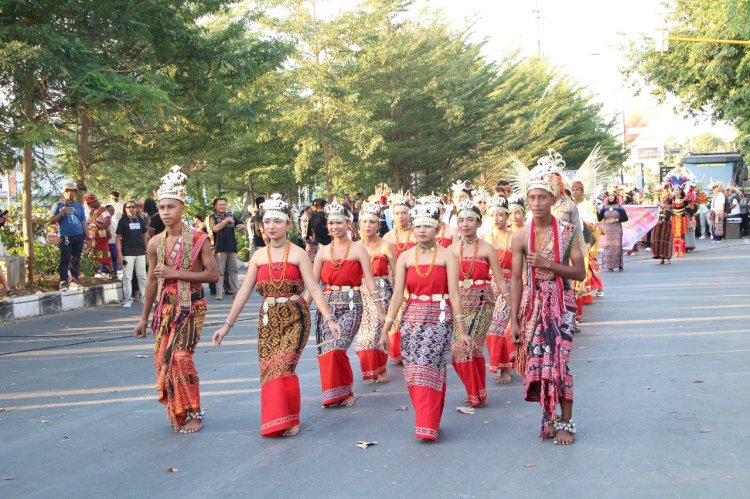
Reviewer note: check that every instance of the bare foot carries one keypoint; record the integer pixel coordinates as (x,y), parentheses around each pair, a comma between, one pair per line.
(563,437)
(505,376)
(192,426)
(347,402)
(383,378)
(290,432)
(482,403)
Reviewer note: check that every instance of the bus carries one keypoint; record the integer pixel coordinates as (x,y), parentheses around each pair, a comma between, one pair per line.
(726,167)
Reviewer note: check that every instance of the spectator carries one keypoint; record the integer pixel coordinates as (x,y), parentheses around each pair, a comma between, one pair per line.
(72,227)
(155,225)
(742,200)
(114,201)
(304,222)
(259,239)
(317,230)
(113,239)
(223,224)
(718,211)
(131,250)
(9,292)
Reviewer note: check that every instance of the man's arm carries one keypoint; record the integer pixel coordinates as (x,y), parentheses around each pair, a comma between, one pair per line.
(150,293)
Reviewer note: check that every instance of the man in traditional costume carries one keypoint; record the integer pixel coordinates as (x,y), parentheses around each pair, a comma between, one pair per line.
(180,261)
(543,311)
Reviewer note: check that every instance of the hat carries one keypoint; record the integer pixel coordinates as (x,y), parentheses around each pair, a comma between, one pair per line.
(545,175)
(497,203)
(70,187)
(173,185)
(91,199)
(467,209)
(369,211)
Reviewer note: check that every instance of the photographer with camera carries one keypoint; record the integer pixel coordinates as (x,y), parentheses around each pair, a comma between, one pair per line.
(223,224)
(73,230)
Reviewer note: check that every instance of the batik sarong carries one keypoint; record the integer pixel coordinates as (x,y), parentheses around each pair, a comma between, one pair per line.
(283,329)
(500,348)
(661,240)
(372,360)
(612,257)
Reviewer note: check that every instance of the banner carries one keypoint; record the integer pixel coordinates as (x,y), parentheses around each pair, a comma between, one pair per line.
(641,219)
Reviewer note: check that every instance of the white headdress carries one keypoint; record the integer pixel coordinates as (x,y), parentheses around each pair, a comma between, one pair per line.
(369,211)
(467,209)
(173,185)
(424,214)
(400,199)
(431,200)
(497,203)
(337,213)
(480,194)
(275,207)
(461,186)
(516,202)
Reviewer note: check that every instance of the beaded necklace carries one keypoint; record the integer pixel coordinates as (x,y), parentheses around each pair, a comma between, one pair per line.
(467,277)
(336,264)
(504,246)
(401,247)
(372,249)
(433,246)
(277,283)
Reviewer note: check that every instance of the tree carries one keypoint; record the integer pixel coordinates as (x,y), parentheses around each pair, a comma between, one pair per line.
(708,78)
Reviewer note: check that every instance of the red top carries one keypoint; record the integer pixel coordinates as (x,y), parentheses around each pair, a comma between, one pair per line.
(444,241)
(404,247)
(292,272)
(435,284)
(505,256)
(349,274)
(379,266)
(481,269)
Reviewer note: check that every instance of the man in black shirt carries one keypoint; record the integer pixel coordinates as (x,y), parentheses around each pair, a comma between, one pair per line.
(223,224)
(131,250)
(259,240)
(317,228)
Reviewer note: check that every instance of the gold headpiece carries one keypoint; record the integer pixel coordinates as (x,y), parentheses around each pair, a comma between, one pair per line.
(369,211)
(497,203)
(337,213)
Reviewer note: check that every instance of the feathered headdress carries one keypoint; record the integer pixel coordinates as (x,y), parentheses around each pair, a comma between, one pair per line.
(431,200)
(276,207)
(679,177)
(461,186)
(173,185)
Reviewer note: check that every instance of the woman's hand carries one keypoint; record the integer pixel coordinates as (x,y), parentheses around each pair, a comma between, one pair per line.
(335,329)
(220,334)
(384,341)
(139,331)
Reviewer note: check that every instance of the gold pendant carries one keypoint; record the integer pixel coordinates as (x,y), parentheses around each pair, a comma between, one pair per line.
(467,283)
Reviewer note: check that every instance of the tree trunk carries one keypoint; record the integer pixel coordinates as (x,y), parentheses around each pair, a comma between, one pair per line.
(84,125)
(326,166)
(28,230)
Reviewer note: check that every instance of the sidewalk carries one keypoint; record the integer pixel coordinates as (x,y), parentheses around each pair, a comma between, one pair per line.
(54,302)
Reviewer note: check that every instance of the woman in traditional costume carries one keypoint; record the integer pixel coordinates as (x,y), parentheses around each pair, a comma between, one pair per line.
(613,214)
(679,223)
(501,349)
(101,232)
(662,234)
(402,238)
(341,266)
(446,233)
(282,272)
(516,213)
(382,260)
(426,327)
(478,264)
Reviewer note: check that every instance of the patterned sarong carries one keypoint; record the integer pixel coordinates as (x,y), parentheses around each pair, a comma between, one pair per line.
(371,359)
(501,350)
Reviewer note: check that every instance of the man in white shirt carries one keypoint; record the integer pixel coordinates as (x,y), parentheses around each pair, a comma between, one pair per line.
(717,213)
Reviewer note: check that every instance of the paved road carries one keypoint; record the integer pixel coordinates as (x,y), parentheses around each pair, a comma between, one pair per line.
(662,392)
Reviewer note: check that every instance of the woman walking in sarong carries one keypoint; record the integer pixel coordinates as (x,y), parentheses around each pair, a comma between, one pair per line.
(101,232)
(446,233)
(341,266)
(281,272)
(476,259)
(613,215)
(402,238)
(500,348)
(426,326)
(382,259)
(662,234)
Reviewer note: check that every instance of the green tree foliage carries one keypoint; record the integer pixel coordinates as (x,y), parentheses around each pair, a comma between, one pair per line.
(708,78)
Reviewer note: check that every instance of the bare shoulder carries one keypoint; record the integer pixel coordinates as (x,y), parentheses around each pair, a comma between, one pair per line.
(518,239)
(486,248)
(446,255)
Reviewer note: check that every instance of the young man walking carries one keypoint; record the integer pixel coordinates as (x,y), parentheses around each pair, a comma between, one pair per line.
(180,261)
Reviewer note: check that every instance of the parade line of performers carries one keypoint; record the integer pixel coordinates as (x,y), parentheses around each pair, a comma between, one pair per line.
(513,273)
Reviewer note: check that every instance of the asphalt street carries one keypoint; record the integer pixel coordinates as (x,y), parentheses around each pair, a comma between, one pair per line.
(662,382)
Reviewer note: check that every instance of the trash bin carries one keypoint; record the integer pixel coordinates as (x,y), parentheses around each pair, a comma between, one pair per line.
(733,228)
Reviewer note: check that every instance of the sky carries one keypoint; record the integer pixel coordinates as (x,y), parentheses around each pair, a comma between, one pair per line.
(583,38)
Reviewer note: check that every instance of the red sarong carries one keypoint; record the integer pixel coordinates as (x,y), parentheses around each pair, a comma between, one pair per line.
(428,401)
(336,377)
(372,363)
(279,405)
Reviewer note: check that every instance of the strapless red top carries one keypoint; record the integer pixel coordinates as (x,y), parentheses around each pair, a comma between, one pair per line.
(436,283)
(292,272)
(505,257)
(481,269)
(403,247)
(379,266)
(349,274)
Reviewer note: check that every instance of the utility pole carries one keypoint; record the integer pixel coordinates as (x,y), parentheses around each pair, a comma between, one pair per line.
(538,13)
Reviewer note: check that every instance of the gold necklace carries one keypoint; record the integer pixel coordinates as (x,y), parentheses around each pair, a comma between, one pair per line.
(467,277)
(277,283)
(336,264)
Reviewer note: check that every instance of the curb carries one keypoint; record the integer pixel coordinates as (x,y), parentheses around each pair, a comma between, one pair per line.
(55,302)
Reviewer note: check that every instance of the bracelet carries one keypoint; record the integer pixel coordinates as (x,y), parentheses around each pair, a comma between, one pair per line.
(376,292)
(388,320)
(506,294)
(460,321)
(378,299)
(329,318)
(455,316)
(226,321)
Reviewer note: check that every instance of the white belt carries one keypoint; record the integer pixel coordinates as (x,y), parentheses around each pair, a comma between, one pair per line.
(272,300)
(467,283)
(430,297)
(343,289)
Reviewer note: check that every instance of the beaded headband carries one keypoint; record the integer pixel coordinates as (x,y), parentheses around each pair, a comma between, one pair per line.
(424,215)
(173,185)
(369,211)
(467,209)
(497,203)
(275,208)
(337,213)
